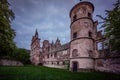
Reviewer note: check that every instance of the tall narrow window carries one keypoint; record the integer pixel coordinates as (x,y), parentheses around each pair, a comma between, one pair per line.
(48,56)
(99,46)
(90,52)
(74,17)
(57,63)
(51,55)
(55,55)
(90,34)
(63,62)
(74,35)
(89,15)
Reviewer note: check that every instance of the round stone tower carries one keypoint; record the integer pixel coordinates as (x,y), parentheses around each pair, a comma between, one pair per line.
(82,33)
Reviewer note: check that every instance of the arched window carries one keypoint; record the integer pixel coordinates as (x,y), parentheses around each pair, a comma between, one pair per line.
(75,53)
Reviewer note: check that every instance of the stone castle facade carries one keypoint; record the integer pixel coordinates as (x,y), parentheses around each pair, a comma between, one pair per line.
(81,53)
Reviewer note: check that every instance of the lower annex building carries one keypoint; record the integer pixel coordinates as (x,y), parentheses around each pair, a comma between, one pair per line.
(77,55)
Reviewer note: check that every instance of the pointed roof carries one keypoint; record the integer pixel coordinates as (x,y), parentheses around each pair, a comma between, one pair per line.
(57,40)
(36,33)
(52,42)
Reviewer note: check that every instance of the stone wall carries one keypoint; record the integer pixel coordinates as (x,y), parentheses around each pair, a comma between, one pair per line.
(108,64)
(5,62)
(83,64)
(56,66)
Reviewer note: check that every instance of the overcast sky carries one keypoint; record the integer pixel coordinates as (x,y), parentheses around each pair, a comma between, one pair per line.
(49,17)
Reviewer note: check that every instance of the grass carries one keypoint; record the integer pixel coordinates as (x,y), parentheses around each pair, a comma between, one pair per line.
(45,73)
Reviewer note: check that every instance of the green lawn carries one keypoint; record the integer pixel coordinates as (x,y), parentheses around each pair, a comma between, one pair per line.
(44,73)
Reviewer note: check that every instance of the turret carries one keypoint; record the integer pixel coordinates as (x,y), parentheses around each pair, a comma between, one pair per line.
(57,43)
(82,41)
(35,50)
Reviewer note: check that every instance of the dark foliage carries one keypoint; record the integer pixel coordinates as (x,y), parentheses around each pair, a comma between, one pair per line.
(7,34)
(111,24)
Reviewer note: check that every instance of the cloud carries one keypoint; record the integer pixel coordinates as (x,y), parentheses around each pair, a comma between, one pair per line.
(50,17)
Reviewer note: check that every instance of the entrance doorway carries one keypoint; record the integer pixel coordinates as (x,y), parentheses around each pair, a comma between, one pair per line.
(40,64)
(75,66)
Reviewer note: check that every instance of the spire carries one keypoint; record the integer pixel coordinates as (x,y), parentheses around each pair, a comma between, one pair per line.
(36,33)
(57,43)
(52,42)
(57,39)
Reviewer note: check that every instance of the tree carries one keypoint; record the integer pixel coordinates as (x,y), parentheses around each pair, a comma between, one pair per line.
(20,54)
(111,24)
(7,34)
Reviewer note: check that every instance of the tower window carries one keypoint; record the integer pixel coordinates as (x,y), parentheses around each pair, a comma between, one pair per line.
(89,14)
(75,53)
(90,53)
(74,35)
(48,56)
(74,17)
(90,34)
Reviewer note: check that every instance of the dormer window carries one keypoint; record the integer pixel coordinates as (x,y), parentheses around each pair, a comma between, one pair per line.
(74,17)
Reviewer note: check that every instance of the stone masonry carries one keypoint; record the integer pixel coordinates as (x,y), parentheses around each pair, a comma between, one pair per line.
(81,53)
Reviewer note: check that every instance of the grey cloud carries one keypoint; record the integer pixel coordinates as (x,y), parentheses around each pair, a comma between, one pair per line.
(50,17)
